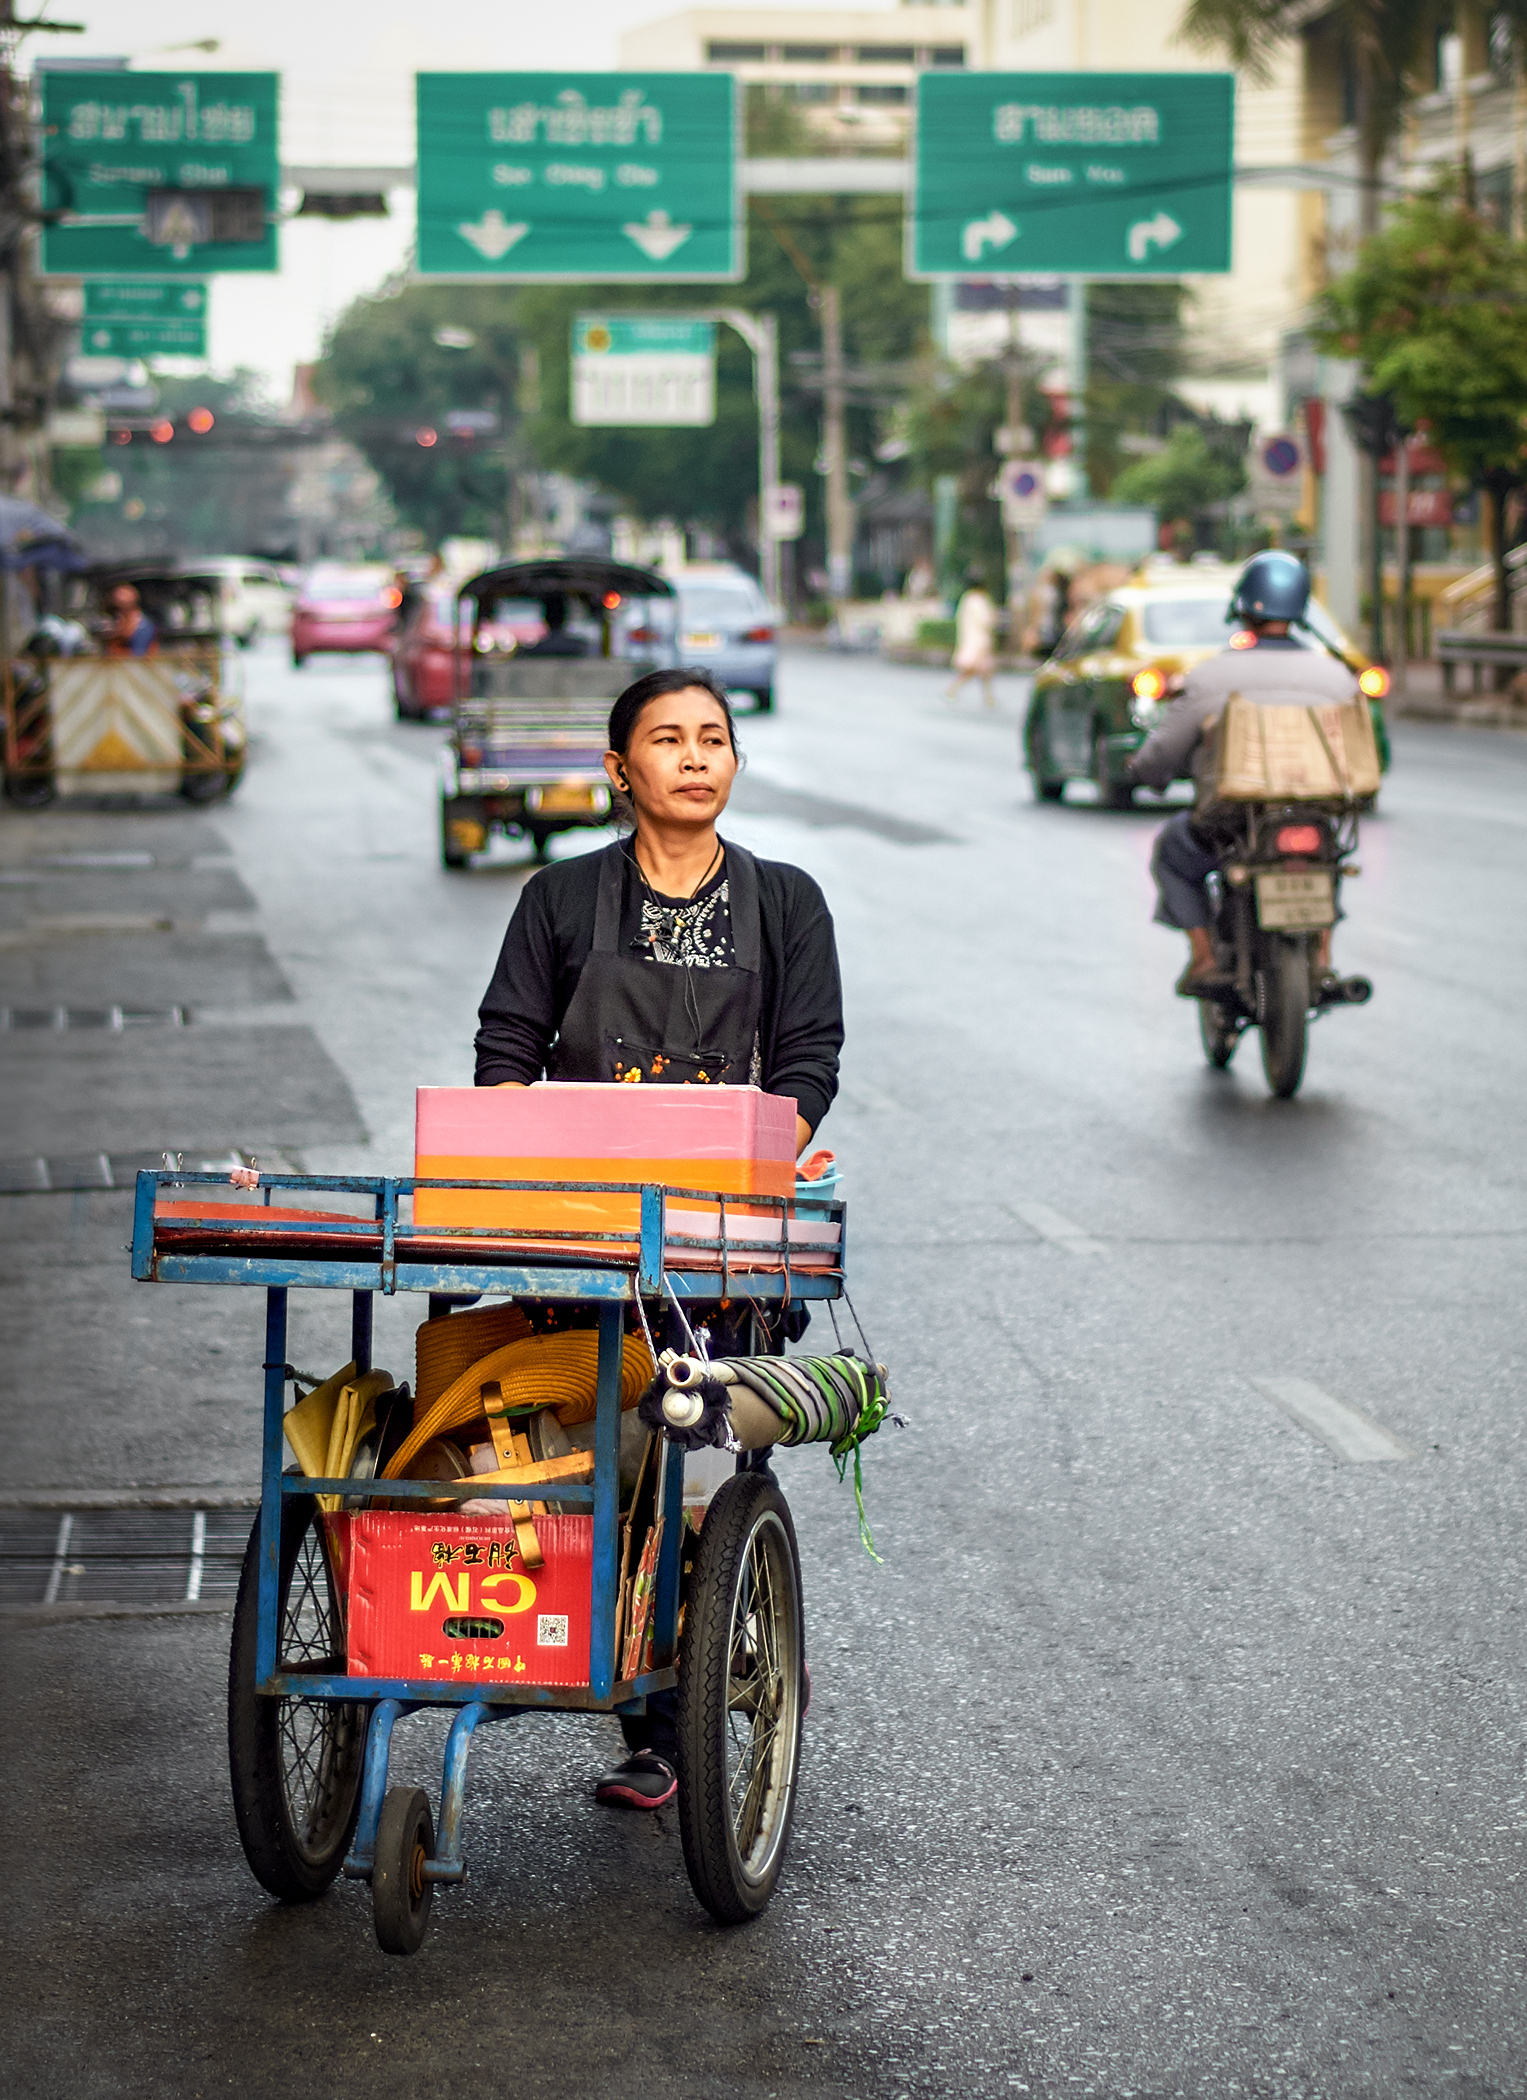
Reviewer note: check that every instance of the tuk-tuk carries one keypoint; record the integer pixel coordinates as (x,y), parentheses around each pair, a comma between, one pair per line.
(529,718)
(83,713)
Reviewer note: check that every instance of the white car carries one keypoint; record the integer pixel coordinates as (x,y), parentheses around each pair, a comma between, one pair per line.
(726,623)
(254,600)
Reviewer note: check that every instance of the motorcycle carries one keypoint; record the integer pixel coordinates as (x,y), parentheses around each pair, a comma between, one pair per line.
(1275,894)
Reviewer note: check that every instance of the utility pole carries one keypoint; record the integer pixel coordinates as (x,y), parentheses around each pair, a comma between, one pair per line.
(840,509)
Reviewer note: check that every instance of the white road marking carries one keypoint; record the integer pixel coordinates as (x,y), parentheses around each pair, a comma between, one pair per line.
(1061,1232)
(198,1556)
(1337,1424)
(60,1558)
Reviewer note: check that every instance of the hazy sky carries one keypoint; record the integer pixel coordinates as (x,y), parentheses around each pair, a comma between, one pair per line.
(347,71)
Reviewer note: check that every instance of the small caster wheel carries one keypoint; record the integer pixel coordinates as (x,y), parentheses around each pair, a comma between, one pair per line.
(400,1895)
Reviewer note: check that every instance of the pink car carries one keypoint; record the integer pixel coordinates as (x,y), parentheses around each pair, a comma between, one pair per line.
(348,611)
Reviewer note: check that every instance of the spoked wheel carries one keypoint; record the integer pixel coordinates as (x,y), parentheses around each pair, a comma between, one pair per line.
(1284,1013)
(295,1763)
(739,1709)
(400,1895)
(1220,1032)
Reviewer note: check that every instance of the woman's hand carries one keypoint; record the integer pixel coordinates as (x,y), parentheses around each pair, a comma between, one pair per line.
(802,1135)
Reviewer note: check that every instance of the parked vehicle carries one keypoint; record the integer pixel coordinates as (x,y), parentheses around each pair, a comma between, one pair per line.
(1123,660)
(83,714)
(345,610)
(424,653)
(727,624)
(529,719)
(254,600)
(1276,893)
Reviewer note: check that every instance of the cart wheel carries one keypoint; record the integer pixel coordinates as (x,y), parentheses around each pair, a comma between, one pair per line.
(296,1764)
(203,787)
(740,1685)
(400,1895)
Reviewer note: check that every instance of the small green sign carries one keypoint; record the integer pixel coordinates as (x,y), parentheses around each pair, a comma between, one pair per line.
(556,178)
(142,317)
(1072,174)
(653,370)
(159,174)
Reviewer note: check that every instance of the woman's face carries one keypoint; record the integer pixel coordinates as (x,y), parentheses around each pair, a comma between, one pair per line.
(680,764)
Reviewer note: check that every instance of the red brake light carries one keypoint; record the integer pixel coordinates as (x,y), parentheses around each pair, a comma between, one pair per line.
(759,634)
(1374,682)
(201,420)
(1243,638)
(611,600)
(1298,838)
(162,432)
(426,437)
(643,634)
(1149,684)
(393,597)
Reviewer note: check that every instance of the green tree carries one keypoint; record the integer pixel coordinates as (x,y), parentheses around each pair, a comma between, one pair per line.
(1134,353)
(1185,479)
(396,364)
(1435,313)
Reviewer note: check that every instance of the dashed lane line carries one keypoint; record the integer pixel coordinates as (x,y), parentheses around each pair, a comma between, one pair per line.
(1060,1231)
(1344,1429)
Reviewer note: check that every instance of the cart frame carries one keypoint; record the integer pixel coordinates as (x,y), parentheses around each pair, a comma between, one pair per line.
(379,1254)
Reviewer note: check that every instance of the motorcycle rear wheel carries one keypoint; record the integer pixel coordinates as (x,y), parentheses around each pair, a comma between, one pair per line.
(1284,1009)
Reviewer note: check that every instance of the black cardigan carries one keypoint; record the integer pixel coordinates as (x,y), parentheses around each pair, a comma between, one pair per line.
(800,1025)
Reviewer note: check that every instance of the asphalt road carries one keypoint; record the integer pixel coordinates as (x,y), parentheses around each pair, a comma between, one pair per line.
(1169,1752)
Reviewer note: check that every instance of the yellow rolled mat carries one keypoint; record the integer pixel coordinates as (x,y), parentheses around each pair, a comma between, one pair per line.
(559,1371)
(451,1344)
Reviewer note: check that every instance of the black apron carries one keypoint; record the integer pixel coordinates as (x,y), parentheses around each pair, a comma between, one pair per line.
(657,1022)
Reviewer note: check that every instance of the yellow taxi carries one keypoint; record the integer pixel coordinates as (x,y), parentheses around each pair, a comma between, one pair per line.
(1122,661)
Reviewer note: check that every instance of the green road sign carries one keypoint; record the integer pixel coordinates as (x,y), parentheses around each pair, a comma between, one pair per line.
(142,317)
(1072,174)
(579,177)
(653,369)
(159,174)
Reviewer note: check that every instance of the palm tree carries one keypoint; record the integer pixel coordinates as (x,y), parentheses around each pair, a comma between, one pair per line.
(1384,40)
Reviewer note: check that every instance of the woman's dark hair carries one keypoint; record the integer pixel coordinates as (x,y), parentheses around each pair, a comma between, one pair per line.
(627,709)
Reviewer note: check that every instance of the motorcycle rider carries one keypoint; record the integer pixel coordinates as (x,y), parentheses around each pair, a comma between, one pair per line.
(1267,666)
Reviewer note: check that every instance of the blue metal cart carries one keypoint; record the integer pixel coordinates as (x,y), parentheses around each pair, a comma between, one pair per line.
(308,1742)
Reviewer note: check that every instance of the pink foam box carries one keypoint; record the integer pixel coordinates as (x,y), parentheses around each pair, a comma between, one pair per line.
(737,1139)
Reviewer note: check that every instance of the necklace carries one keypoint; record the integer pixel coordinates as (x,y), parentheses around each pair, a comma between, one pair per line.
(704,879)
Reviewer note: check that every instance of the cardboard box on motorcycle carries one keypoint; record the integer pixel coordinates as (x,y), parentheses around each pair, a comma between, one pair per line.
(1290,754)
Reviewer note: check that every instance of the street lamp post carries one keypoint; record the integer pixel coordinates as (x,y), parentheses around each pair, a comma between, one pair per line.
(761,334)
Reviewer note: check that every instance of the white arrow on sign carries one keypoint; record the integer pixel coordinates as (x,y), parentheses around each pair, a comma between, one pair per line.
(1161,231)
(994,231)
(657,236)
(492,236)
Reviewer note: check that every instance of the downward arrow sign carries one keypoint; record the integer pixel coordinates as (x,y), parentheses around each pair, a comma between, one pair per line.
(657,236)
(492,236)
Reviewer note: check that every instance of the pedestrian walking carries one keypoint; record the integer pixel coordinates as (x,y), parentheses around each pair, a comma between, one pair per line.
(975,638)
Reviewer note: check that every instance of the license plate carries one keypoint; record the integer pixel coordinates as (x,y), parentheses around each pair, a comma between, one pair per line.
(565,799)
(1285,901)
(697,640)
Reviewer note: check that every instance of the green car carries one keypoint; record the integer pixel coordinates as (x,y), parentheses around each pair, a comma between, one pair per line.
(1121,663)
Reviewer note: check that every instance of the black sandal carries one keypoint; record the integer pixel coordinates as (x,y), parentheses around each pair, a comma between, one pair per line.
(645,1780)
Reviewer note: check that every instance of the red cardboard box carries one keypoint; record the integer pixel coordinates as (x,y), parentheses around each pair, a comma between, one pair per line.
(448,1596)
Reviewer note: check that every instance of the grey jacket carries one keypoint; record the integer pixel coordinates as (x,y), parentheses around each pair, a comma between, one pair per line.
(1278,672)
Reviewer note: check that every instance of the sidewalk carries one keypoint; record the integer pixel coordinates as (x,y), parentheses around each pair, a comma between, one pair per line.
(1424,700)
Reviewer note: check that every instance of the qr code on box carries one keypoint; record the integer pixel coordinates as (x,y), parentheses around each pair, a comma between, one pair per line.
(551,1630)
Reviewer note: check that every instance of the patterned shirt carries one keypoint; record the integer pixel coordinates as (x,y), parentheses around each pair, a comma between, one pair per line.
(692,932)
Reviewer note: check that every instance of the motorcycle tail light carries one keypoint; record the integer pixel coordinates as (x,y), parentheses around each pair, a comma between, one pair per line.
(1149,684)
(1374,682)
(1299,838)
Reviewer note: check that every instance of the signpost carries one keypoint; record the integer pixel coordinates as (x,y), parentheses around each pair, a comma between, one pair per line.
(559,178)
(1072,174)
(159,174)
(144,317)
(643,369)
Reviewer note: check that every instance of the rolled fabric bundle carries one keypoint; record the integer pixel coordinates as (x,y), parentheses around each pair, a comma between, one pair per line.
(559,1371)
(751,1402)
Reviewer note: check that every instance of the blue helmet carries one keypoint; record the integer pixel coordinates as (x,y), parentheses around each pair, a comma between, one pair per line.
(1272,586)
